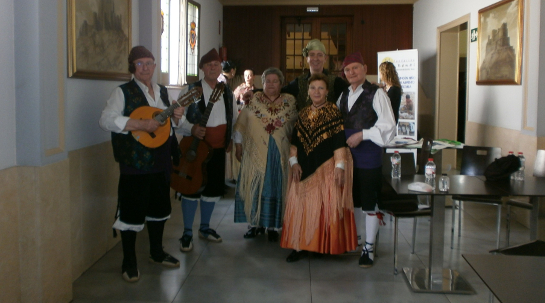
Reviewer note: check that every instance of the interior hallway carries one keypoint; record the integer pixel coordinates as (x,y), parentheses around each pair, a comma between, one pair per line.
(254,270)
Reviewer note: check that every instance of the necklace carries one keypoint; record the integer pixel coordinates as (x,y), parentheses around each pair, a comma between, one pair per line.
(271,101)
(318,106)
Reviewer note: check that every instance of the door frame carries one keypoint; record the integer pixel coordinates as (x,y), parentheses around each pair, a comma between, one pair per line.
(444,29)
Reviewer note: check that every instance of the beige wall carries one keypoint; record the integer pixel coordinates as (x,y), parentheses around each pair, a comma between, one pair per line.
(10,277)
(56,222)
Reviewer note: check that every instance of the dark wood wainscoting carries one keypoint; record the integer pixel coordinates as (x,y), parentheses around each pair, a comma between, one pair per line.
(253,34)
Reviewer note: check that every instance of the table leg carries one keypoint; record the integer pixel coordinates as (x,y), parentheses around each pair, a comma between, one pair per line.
(435,278)
(534,217)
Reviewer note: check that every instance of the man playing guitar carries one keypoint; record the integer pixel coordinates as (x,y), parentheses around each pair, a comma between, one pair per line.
(217,134)
(143,191)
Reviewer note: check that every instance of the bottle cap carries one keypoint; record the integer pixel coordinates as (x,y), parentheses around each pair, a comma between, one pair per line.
(520,153)
(396,152)
(430,159)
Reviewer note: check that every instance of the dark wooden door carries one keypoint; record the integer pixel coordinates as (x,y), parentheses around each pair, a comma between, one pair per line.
(334,32)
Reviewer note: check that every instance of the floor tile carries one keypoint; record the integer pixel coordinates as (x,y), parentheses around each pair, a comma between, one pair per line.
(255,270)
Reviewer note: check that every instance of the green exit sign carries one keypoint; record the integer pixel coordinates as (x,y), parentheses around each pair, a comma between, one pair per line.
(474,35)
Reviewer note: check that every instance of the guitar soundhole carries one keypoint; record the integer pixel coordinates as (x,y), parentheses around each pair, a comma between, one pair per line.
(190,155)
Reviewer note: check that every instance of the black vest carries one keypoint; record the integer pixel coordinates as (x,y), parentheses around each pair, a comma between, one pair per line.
(362,115)
(127,150)
(196,110)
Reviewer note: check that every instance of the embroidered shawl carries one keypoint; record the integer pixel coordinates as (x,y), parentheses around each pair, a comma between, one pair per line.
(256,122)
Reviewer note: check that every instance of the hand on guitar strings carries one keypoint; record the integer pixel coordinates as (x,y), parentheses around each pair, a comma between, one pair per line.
(198,131)
(178,113)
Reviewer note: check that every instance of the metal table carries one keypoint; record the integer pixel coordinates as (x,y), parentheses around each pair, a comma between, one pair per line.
(511,278)
(435,278)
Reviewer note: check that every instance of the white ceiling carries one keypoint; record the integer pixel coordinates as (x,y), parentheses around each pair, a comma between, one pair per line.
(312,2)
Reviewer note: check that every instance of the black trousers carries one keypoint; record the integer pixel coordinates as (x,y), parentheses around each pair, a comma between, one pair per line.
(366,188)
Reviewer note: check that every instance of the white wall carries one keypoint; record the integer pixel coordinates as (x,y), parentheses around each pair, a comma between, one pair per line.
(497,105)
(7,86)
(211,15)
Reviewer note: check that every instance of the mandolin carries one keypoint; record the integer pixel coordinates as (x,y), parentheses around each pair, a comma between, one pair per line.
(189,177)
(161,134)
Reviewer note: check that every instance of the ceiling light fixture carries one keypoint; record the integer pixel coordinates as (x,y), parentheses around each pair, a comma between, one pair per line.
(312,9)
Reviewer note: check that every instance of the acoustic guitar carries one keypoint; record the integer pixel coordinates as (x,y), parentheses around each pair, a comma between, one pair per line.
(161,134)
(189,177)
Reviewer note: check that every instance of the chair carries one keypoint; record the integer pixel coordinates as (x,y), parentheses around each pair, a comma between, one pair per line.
(475,159)
(524,202)
(402,206)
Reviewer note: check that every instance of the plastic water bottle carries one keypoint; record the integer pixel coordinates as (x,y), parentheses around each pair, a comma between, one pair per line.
(520,173)
(513,174)
(430,173)
(444,183)
(396,165)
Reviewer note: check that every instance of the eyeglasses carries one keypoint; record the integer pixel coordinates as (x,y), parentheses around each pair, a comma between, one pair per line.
(147,64)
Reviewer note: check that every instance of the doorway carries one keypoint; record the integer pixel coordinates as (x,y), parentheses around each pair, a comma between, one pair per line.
(451,87)
(334,32)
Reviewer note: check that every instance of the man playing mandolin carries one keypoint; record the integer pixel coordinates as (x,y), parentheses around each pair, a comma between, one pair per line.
(143,191)
(210,120)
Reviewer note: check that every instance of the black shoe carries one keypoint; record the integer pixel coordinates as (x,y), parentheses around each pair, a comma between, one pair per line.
(165,260)
(209,234)
(273,235)
(186,243)
(365,261)
(253,232)
(296,256)
(131,274)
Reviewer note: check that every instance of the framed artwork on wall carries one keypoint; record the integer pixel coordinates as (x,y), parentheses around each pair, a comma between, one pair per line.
(99,39)
(499,55)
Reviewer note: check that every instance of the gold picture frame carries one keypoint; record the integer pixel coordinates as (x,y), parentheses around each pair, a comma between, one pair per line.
(500,32)
(99,39)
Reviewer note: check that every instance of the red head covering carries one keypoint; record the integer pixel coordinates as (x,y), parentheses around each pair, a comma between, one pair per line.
(212,55)
(352,58)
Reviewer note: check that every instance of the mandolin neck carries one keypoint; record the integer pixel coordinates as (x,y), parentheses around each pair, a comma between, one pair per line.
(164,115)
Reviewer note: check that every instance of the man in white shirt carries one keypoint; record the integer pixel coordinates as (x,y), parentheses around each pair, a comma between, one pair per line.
(144,181)
(217,134)
(369,124)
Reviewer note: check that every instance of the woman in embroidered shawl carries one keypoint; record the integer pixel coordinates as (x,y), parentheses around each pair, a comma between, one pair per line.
(319,214)
(263,132)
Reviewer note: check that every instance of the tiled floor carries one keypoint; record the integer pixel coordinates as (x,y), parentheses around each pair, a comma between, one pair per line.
(254,270)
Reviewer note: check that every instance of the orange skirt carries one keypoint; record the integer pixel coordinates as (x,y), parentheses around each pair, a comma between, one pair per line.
(319,215)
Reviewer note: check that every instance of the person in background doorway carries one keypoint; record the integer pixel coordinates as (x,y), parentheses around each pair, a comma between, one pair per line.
(248,85)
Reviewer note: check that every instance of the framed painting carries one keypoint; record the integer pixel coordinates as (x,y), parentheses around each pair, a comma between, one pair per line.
(99,39)
(499,55)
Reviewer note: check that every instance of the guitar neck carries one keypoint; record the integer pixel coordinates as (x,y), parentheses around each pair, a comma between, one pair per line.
(206,115)
(164,115)
(216,94)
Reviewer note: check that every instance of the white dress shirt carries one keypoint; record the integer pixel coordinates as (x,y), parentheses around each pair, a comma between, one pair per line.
(217,116)
(112,118)
(384,129)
